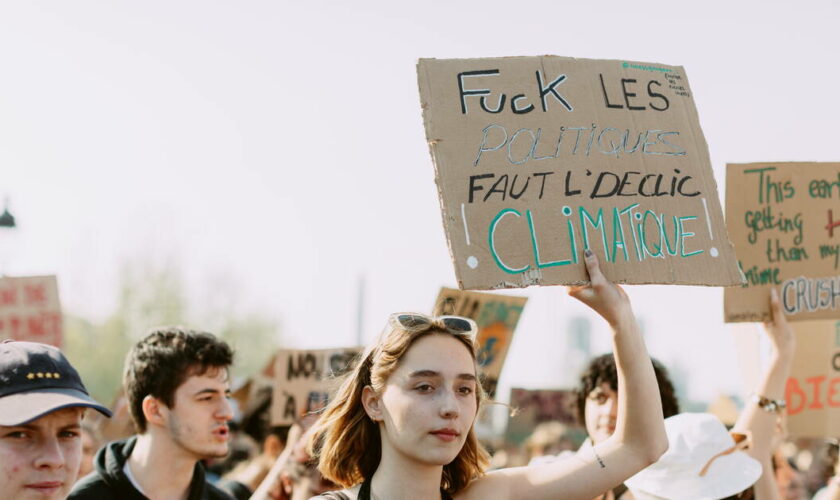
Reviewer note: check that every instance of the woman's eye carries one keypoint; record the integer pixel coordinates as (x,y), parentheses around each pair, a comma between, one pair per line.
(15,435)
(424,388)
(68,434)
(466,390)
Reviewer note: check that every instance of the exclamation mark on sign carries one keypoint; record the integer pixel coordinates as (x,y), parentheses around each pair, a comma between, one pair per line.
(713,250)
(471,260)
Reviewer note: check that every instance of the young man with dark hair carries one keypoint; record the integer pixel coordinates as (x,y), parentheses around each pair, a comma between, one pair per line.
(176,383)
(42,401)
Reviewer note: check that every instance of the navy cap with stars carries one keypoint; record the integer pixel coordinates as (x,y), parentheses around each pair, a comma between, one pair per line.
(36,379)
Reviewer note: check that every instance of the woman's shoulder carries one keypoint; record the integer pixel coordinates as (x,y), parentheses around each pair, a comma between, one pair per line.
(345,494)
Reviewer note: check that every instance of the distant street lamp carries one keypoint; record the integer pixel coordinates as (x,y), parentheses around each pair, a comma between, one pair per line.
(7,219)
(7,222)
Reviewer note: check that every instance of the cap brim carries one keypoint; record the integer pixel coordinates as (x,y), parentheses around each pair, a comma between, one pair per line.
(24,407)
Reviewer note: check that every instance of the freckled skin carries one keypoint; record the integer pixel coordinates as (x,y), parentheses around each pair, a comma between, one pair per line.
(40,460)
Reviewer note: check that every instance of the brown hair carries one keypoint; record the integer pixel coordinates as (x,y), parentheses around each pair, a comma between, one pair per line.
(161,362)
(602,369)
(347,442)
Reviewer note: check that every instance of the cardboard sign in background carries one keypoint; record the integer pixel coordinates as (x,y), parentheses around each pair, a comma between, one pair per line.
(784,219)
(538,158)
(535,406)
(305,379)
(30,310)
(496,317)
(813,389)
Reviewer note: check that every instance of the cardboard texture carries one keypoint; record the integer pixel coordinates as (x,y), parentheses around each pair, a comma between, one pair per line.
(784,220)
(30,310)
(496,317)
(813,389)
(535,406)
(539,158)
(305,379)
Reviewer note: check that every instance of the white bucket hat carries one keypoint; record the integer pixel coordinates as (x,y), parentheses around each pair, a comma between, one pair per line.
(703,462)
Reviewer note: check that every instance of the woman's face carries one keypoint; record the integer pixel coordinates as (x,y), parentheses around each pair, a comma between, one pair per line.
(601,411)
(429,402)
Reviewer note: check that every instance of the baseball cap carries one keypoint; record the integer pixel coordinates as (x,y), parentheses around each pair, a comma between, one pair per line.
(36,379)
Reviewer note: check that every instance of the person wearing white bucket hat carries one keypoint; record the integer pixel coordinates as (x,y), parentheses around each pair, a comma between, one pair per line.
(703,462)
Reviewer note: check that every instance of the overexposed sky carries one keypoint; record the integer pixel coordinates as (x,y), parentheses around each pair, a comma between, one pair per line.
(278,148)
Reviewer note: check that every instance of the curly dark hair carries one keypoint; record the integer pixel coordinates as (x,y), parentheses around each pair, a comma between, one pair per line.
(161,362)
(602,369)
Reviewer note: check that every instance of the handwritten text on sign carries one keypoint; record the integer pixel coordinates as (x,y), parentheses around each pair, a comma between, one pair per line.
(30,310)
(784,220)
(813,389)
(305,379)
(539,158)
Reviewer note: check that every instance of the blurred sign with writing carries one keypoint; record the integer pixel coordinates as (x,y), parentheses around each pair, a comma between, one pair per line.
(304,380)
(784,219)
(30,310)
(813,389)
(496,317)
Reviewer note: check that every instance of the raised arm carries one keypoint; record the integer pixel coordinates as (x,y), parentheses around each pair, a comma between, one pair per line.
(639,438)
(760,417)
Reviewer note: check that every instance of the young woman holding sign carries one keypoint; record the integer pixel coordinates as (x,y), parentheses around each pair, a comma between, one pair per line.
(401,424)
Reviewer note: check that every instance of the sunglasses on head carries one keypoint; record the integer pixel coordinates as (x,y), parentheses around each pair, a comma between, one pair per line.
(415,322)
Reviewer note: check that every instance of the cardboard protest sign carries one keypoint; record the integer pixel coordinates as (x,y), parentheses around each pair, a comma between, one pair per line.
(535,406)
(785,223)
(813,389)
(30,310)
(539,158)
(304,380)
(496,317)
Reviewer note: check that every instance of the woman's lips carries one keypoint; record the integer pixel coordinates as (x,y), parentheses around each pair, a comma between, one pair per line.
(446,435)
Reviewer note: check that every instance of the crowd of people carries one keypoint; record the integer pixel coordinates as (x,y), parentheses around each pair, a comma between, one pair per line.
(401,425)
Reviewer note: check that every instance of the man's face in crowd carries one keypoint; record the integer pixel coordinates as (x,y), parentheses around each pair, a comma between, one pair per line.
(41,459)
(197,421)
(600,411)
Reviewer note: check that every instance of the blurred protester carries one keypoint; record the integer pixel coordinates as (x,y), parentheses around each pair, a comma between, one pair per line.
(704,461)
(790,481)
(176,384)
(42,401)
(832,489)
(90,443)
(402,420)
(762,417)
(597,403)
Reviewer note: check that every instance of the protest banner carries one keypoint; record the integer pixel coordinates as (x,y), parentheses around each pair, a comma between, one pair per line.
(813,390)
(304,379)
(539,158)
(783,220)
(496,317)
(535,406)
(30,310)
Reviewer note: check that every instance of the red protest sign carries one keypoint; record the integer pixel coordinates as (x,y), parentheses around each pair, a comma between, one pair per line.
(30,310)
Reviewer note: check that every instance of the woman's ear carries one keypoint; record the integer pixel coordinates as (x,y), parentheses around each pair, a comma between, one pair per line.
(372,403)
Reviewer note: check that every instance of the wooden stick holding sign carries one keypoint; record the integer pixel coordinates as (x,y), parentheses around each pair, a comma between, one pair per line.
(539,158)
